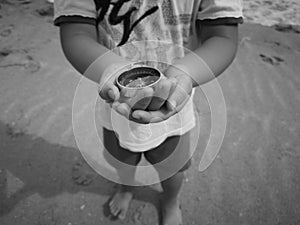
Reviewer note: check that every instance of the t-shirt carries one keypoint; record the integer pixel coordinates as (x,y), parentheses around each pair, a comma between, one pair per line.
(152,31)
(126,21)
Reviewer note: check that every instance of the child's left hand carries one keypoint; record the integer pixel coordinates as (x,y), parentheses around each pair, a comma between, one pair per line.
(148,99)
(178,97)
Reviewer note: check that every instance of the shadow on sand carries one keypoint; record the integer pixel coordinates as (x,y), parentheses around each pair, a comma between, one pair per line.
(39,167)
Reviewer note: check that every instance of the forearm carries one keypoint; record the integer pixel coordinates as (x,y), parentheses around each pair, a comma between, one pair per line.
(80,46)
(215,54)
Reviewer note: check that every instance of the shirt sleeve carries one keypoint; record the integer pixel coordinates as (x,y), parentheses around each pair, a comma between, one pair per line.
(217,12)
(74,11)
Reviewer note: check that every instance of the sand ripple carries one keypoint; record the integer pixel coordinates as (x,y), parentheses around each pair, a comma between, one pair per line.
(270,12)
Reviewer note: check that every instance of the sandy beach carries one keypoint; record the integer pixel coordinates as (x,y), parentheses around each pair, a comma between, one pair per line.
(269,13)
(255,179)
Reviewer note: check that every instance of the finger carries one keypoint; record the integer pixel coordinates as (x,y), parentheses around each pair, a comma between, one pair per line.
(161,93)
(128,93)
(152,116)
(142,99)
(122,215)
(107,86)
(110,92)
(145,116)
(173,82)
(122,108)
(136,98)
(179,96)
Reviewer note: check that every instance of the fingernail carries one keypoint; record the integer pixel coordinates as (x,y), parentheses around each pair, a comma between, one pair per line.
(173,104)
(136,116)
(111,94)
(121,111)
(173,80)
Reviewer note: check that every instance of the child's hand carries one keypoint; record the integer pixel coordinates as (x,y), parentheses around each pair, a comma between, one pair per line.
(130,101)
(161,93)
(179,94)
(148,99)
(181,90)
(122,101)
(108,89)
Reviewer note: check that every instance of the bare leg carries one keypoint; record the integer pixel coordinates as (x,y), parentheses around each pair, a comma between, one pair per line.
(120,201)
(170,207)
(171,213)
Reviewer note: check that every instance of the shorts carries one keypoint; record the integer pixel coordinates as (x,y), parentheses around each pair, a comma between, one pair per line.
(139,137)
(172,155)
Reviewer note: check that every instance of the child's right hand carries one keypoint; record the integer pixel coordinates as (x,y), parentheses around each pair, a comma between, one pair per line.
(107,88)
(144,100)
(178,95)
(124,103)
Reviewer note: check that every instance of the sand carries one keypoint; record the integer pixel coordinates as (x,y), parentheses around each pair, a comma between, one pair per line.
(255,179)
(271,12)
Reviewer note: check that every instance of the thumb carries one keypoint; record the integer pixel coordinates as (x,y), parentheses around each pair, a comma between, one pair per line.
(109,92)
(179,97)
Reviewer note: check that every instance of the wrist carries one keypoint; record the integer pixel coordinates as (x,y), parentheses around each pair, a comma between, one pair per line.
(179,77)
(195,67)
(102,65)
(181,70)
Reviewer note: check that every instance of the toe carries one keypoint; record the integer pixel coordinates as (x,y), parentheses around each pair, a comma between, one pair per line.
(172,215)
(122,215)
(115,210)
(119,204)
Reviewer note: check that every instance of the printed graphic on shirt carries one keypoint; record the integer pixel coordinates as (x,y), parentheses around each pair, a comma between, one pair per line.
(115,18)
(170,18)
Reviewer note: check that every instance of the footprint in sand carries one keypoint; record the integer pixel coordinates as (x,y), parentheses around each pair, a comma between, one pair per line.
(5,2)
(32,65)
(287,28)
(13,131)
(24,2)
(2,180)
(6,31)
(4,53)
(12,2)
(45,11)
(137,216)
(18,127)
(273,60)
(82,174)
(18,58)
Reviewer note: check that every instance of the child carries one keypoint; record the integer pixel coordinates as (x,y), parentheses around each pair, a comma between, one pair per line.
(90,28)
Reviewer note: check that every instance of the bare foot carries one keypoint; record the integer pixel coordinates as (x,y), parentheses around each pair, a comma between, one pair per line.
(171,213)
(119,203)
(82,174)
